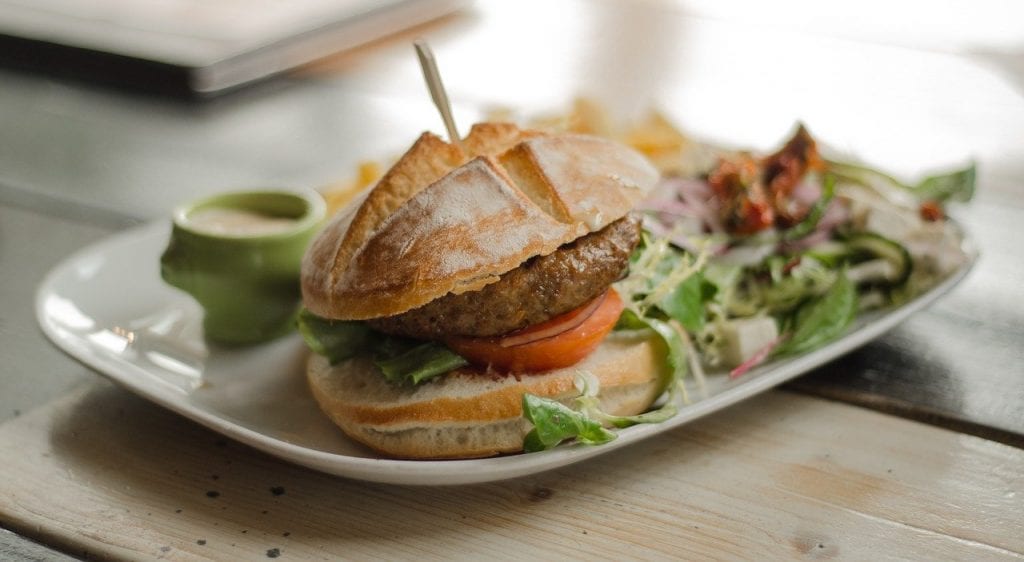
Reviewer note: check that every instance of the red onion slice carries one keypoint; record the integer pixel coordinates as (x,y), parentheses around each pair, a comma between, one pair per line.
(532,334)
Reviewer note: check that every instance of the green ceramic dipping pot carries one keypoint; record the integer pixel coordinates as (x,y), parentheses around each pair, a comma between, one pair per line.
(239,254)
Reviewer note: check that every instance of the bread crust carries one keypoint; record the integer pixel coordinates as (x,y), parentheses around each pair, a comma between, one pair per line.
(447,219)
(467,413)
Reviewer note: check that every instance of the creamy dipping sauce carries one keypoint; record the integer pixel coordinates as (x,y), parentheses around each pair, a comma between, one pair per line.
(237,222)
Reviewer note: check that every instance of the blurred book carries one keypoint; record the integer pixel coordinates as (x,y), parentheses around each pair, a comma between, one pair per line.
(194,47)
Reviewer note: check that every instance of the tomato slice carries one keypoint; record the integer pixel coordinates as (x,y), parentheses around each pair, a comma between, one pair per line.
(554,326)
(562,349)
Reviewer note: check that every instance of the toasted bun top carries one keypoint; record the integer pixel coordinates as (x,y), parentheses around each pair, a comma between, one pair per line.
(449,219)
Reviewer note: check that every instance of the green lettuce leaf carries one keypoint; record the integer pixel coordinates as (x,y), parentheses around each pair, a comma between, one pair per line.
(402,360)
(821,319)
(418,362)
(957,185)
(553,422)
(675,349)
(589,404)
(336,340)
(686,302)
(953,186)
(662,414)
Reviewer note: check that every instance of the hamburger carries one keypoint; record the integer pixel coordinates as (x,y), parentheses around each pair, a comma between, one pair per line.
(474,274)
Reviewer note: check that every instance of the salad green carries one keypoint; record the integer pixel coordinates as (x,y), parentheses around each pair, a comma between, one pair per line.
(554,422)
(820,319)
(401,360)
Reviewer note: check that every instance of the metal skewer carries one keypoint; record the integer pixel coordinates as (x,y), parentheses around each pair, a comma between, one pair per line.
(436,87)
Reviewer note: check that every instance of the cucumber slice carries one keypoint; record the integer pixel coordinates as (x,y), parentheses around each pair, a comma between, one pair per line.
(830,253)
(872,245)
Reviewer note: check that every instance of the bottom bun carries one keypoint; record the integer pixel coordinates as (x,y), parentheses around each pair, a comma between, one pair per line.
(468,413)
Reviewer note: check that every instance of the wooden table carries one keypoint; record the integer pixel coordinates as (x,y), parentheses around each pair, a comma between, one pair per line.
(834,470)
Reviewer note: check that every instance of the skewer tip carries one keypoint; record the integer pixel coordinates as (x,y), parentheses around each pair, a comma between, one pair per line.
(437,92)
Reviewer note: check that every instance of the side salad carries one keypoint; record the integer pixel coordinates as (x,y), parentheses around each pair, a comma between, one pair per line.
(746,259)
(795,245)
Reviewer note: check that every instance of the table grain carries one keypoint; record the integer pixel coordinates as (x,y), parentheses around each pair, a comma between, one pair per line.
(103,474)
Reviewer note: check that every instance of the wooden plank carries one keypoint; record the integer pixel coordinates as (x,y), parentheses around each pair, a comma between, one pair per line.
(102,473)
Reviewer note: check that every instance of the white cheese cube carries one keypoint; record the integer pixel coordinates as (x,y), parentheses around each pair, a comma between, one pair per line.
(935,249)
(744,337)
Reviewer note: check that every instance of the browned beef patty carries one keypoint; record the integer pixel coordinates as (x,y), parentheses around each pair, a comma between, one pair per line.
(539,289)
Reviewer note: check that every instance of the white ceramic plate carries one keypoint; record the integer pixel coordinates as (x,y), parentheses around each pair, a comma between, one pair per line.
(107,307)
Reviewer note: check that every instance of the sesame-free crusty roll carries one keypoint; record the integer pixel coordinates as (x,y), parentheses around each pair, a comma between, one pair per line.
(449,219)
